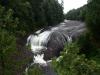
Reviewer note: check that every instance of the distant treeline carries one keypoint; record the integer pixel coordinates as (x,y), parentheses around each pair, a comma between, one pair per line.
(77,14)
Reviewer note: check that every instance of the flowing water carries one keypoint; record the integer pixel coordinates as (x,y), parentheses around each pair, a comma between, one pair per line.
(48,42)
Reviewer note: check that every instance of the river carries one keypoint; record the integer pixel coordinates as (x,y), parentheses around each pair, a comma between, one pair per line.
(48,42)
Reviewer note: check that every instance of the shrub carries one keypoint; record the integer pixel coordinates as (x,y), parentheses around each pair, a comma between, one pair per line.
(7,47)
(73,64)
(35,70)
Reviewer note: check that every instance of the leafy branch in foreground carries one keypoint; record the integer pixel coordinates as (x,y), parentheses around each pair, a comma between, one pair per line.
(71,63)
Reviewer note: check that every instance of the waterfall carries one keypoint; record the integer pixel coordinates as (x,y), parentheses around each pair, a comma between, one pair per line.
(47,43)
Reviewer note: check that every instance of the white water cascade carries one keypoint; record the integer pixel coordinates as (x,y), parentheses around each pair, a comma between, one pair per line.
(47,43)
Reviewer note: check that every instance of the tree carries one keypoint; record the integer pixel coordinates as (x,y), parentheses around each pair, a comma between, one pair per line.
(34,14)
(53,11)
(7,21)
(93,19)
(7,47)
(77,14)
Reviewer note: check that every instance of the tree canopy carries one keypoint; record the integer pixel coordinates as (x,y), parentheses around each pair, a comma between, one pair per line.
(93,19)
(34,14)
(77,14)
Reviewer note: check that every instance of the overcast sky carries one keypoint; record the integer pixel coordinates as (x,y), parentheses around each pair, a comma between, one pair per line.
(71,4)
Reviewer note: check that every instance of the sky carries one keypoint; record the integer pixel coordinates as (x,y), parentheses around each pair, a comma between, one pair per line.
(73,4)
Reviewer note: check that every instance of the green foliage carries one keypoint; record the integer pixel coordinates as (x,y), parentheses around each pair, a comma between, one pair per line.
(7,21)
(72,15)
(35,70)
(77,14)
(93,19)
(53,12)
(7,47)
(17,19)
(86,45)
(12,61)
(7,41)
(34,14)
(71,63)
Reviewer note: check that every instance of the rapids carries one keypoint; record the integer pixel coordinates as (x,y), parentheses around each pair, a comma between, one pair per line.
(48,42)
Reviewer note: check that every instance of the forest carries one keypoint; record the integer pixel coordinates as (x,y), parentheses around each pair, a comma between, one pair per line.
(19,18)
